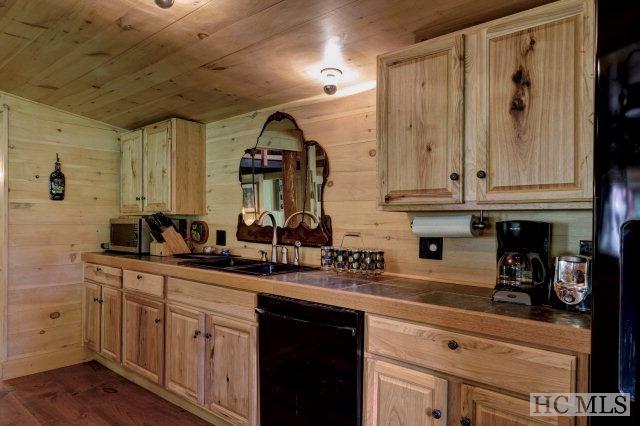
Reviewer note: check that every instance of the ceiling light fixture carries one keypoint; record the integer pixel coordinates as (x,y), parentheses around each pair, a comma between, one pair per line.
(330,79)
(165,4)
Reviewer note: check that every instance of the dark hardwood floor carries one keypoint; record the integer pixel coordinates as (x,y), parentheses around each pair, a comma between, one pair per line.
(85,394)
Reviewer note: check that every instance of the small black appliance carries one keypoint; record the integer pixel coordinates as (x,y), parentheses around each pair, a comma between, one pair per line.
(523,262)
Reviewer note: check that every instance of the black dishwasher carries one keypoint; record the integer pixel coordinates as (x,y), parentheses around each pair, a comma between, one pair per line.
(310,363)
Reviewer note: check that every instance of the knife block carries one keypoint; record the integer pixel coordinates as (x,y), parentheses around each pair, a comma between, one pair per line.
(159,249)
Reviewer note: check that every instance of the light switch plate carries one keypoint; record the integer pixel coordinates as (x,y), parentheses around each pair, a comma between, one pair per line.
(430,248)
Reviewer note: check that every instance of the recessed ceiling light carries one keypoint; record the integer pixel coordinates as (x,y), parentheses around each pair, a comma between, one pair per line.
(165,4)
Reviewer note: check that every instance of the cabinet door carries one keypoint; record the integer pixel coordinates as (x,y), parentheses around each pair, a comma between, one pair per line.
(131,173)
(537,101)
(111,323)
(420,123)
(157,167)
(487,408)
(92,316)
(396,395)
(231,369)
(143,341)
(184,353)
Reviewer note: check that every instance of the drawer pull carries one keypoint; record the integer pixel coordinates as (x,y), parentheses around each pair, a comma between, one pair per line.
(98,269)
(436,414)
(454,176)
(481,174)
(453,345)
(465,421)
(196,334)
(157,321)
(139,277)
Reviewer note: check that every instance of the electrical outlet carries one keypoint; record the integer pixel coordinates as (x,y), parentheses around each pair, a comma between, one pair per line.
(430,248)
(221,237)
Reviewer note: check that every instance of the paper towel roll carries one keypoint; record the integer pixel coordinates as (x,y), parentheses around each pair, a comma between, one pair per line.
(445,226)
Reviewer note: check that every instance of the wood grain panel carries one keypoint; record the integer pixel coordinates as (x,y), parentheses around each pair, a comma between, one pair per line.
(184,352)
(45,288)
(103,274)
(537,102)
(507,366)
(420,122)
(396,395)
(156,149)
(140,282)
(111,323)
(91,317)
(131,173)
(143,340)
(231,369)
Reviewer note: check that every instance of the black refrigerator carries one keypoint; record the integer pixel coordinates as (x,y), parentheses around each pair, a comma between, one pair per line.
(616,261)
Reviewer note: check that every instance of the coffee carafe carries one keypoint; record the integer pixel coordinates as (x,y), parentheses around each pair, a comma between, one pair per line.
(523,262)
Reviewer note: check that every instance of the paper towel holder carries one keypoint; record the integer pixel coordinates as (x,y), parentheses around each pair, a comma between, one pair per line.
(480,223)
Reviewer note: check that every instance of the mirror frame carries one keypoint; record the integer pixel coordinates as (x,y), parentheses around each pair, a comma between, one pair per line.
(321,235)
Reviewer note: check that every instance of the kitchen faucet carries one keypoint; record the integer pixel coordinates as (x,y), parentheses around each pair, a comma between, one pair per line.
(274,240)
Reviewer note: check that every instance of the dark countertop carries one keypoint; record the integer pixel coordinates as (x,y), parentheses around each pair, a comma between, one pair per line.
(450,305)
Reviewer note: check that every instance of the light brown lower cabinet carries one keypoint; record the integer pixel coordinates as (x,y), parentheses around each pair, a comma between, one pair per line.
(91,314)
(184,353)
(143,342)
(482,407)
(231,379)
(397,395)
(111,323)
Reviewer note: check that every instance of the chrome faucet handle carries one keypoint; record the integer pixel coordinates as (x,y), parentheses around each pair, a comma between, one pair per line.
(296,253)
(263,255)
(285,255)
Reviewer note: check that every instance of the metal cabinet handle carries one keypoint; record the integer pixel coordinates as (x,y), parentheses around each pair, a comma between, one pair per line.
(137,198)
(454,176)
(139,277)
(157,321)
(101,301)
(436,414)
(453,345)
(196,334)
(465,421)
(207,336)
(481,174)
(143,198)
(95,299)
(98,269)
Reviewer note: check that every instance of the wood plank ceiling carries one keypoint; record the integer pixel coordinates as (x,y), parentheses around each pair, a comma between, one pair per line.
(128,62)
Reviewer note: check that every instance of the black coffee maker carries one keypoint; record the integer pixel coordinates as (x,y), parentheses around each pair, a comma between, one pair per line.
(523,262)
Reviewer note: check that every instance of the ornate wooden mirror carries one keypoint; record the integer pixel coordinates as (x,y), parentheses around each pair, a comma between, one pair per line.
(284,175)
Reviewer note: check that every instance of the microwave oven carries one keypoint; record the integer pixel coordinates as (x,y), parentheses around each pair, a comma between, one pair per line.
(130,235)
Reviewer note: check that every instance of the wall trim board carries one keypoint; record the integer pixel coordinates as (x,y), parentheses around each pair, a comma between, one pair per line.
(4,226)
(43,362)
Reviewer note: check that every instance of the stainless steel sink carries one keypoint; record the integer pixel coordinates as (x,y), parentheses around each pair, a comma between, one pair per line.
(245,266)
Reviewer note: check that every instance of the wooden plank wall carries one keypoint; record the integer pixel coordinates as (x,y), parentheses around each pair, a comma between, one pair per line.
(346,128)
(45,237)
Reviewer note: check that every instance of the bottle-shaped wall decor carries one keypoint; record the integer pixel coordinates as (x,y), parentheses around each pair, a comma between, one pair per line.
(56,182)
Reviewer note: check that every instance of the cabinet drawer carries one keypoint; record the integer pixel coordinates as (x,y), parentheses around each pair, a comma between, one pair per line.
(144,283)
(505,365)
(227,301)
(103,274)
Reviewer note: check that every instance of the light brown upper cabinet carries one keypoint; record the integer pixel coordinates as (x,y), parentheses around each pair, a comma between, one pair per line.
(163,169)
(537,85)
(526,129)
(420,123)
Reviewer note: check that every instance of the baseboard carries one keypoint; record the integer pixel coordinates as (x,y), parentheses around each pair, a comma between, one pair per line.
(24,366)
(161,392)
